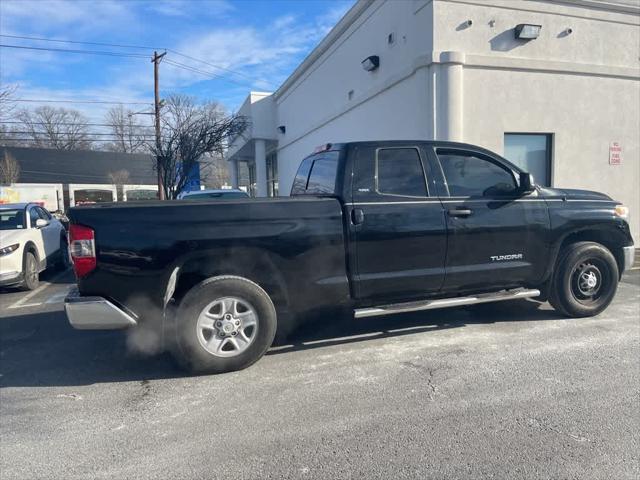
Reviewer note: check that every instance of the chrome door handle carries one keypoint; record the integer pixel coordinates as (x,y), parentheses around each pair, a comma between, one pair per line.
(460,212)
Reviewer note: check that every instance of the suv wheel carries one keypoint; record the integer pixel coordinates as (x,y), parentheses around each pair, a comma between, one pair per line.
(585,280)
(224,324)
(31,274)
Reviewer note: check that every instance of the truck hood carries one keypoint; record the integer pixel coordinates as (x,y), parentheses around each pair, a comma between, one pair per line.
(573,194)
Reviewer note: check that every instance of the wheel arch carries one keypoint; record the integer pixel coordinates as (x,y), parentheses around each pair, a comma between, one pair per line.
(259,266)
(30,246)
(610,238)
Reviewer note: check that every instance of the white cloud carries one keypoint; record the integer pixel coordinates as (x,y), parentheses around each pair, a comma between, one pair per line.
(46,16)
(264,57)
(186,8)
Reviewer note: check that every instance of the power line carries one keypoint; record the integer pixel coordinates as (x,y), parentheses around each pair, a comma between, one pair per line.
(80,101)
(235,72)
(68,50)
(41,133)
(136,125)
(40,39)
(203,72)
(139,47)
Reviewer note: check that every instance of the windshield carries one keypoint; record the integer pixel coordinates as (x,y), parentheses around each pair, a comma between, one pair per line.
(200,196)
(12,219)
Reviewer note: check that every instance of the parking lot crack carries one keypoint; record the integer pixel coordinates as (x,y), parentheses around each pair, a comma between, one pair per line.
(428,373)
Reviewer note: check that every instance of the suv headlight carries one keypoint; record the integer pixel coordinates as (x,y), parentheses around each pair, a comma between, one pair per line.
(7,250)
(621,211)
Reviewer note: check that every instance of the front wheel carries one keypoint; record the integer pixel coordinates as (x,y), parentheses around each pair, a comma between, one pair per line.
(31,272)
(585,280)
(224,324)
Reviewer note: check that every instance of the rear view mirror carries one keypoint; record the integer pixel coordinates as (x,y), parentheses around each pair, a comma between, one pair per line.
(41,222)
(527,183)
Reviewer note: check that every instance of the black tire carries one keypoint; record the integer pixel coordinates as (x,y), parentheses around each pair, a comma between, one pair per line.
(192,354)
(31,274)
(580,263)
(63,261)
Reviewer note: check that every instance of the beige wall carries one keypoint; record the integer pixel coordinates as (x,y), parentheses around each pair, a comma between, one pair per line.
(584,114)
(584,88)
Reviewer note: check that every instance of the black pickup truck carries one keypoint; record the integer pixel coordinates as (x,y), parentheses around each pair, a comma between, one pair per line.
(373,228)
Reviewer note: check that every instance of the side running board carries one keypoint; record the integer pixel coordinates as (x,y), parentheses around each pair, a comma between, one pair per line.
(445,302)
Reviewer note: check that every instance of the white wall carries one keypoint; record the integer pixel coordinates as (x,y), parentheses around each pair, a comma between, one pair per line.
(316,109)
(387,115)
(446,80)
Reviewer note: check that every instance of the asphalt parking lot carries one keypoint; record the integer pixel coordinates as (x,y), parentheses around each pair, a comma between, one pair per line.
(510,390)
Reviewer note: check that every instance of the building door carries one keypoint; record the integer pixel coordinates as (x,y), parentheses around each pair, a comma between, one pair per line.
(496,237)
(532,153)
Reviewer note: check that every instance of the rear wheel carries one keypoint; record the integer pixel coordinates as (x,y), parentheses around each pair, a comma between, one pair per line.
(224,324)
(31,273)
(585,281)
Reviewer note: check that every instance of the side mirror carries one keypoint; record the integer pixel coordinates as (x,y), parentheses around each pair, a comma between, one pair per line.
(527,183)
(41,222)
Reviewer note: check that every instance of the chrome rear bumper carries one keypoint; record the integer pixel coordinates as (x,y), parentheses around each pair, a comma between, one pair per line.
(629,255)
(95,313)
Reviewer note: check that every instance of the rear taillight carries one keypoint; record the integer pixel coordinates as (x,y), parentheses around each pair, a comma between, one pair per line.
(82,248)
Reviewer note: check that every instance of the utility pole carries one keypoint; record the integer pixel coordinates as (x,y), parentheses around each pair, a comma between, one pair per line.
(156,87)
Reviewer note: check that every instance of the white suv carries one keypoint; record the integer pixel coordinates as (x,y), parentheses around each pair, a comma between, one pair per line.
(31,240)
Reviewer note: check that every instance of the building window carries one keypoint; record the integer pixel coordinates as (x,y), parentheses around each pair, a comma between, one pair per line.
(532,153)
(272,174)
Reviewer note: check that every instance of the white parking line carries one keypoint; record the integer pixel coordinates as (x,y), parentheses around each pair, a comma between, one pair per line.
(21,303)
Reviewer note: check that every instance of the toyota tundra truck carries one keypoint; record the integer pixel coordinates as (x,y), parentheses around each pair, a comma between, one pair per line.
(372,228)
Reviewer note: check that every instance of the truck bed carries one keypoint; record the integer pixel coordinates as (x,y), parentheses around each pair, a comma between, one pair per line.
(276,241)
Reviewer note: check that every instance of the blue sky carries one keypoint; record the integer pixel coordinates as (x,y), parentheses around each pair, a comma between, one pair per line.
(261,41)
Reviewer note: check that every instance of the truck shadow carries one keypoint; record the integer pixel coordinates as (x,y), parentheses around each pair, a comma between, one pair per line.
(318,333)
(41,349)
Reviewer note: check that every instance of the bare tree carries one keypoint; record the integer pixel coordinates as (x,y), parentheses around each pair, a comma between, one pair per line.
(214,171)
(59,128)
(7,100)
(119,178)
(128,132)
(189,131)
(9,169)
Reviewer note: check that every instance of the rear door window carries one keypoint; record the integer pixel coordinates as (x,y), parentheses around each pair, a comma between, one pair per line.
(322,179)
(317,175)
(300,182)
(399,172)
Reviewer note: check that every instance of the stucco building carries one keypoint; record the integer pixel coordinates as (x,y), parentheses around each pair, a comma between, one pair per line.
(563,104)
